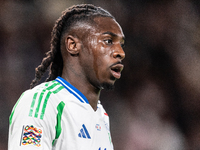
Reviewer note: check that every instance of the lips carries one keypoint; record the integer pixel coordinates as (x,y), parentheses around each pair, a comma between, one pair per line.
(116,70)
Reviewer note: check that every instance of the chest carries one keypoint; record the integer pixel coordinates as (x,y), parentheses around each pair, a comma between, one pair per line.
(84,129)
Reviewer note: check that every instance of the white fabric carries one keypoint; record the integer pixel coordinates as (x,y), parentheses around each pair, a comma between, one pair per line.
(64,116)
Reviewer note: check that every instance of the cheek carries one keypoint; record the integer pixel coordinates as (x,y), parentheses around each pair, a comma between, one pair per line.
(98,61)
(100,55)
(101,62)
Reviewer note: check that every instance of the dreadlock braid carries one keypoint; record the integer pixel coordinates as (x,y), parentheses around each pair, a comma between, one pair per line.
(53,59)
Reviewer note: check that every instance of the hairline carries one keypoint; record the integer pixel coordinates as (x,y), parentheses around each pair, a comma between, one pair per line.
(73,30)
(90,20)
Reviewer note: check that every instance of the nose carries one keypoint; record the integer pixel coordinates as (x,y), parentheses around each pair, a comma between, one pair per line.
(119,53)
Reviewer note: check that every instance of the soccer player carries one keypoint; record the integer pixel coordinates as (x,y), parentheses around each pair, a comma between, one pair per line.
(64,113)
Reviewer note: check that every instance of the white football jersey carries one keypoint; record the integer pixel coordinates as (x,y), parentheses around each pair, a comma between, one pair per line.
(57,116)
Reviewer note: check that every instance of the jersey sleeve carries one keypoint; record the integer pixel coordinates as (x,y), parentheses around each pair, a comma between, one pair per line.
(29,129)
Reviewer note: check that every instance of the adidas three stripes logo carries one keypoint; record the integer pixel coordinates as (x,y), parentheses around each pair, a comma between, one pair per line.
(84,133)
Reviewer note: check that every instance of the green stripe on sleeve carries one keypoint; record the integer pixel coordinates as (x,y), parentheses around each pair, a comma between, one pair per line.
(33,101)
(58,127)
(11,115)
(41,97)
(42,100)
(52,86)
(32,104)
(39,102)
(47,98)
(57,90)
(45,104)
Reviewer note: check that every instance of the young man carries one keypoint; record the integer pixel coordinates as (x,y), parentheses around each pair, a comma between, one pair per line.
(65,113)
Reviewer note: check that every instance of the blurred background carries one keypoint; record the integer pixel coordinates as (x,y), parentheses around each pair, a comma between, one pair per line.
(156,103)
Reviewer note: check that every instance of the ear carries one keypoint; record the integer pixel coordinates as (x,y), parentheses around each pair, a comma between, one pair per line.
(72,45)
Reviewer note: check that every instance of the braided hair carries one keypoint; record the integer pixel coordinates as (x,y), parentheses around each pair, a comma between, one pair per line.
(53,59)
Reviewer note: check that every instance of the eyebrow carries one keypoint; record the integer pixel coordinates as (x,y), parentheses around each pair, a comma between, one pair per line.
(113,34)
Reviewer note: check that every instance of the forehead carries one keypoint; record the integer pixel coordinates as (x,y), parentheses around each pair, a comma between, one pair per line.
(108,25)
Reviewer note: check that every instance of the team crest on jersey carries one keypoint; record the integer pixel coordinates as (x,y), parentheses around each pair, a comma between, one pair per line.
(31,135)
(98,127)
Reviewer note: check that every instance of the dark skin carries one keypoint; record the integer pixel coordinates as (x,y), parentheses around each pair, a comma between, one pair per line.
(92,56)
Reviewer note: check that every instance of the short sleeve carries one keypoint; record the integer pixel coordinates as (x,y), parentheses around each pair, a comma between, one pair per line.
(26,130)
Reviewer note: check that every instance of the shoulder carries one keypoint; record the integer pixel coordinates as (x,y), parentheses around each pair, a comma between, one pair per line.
(42,91)
(34,102)
(38,92)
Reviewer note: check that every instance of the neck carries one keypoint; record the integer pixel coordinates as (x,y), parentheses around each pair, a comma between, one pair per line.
(89,91)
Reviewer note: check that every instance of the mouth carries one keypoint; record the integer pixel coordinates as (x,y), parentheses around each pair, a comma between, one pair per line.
(116,70)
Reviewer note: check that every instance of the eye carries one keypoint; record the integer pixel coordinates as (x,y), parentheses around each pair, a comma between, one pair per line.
(108,41)
(123,45)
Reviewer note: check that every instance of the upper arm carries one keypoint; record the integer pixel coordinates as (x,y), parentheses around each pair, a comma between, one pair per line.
(27,131)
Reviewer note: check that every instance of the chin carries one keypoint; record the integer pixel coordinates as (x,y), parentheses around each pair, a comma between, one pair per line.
(108,86)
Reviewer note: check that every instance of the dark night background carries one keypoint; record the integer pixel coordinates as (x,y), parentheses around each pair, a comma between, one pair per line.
(156,103)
